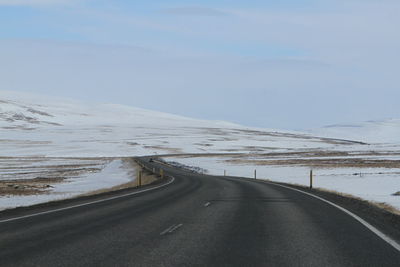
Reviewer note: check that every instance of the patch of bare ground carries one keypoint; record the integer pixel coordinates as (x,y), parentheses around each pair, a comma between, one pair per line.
(25,142)
(283,155)
(300,136)
(202,155)
(322,163)
(213,131)
(257,148)
(132,143)
(24,187)
(203,144)
(230,150)
(65,167)
(166,149)
(320,153)
(319,159)
(312,158)
(18,127)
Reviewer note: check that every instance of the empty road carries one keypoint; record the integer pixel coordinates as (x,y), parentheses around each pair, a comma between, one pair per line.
(191,220)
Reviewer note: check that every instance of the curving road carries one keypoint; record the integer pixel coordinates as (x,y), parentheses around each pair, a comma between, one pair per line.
(191,220)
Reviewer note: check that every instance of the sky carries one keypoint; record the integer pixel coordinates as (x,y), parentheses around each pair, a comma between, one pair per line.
(289,64)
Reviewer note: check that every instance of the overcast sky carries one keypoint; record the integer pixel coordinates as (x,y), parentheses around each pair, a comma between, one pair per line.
(290,64)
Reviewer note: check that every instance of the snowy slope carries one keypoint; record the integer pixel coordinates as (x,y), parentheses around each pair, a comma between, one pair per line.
(34,125)
(385,131)
(27,110)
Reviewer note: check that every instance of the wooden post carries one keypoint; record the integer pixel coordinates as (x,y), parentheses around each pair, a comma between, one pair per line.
(255,174)
(140,178)
(311,179)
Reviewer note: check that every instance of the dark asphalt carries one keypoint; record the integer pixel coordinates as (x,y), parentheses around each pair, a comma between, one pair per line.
(195,221)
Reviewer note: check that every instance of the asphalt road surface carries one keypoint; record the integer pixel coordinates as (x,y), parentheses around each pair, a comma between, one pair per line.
(191,220)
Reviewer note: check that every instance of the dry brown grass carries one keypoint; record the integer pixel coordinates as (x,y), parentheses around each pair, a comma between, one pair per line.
(319,159)
(26,187)
(323,163)
(170,150)
(43,177)
(37,175)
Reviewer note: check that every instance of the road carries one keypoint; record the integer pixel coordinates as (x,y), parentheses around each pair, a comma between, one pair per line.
(194,220)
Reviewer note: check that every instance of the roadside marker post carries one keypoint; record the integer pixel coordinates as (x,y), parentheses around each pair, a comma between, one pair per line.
(162,173)
(311,179)
(255,174)
(140,178)
(224,172)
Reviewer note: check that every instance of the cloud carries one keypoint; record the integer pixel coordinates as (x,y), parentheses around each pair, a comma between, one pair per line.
(194,11)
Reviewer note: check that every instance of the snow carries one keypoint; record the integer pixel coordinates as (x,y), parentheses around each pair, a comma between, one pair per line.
(112,174)
(43,126)
(385,131)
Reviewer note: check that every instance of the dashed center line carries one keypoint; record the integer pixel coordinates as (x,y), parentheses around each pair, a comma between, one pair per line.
(171,229)
(207,204)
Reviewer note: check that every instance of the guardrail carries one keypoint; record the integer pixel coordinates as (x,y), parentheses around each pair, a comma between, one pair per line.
(153,170)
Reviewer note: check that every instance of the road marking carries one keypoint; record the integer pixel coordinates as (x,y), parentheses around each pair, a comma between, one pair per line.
(87,204)
(171,229)
(207,204)
(383,236)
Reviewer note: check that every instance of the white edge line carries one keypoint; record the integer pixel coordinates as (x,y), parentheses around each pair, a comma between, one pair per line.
(384,237)
(87,203)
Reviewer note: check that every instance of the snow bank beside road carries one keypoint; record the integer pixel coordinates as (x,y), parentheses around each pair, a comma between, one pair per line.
(114,173)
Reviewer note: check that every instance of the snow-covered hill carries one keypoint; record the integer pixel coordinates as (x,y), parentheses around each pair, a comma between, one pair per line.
(23,110)
(385,131)
(33,125)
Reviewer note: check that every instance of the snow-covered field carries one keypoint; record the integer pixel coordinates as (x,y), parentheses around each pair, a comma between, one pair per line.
(41,136)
